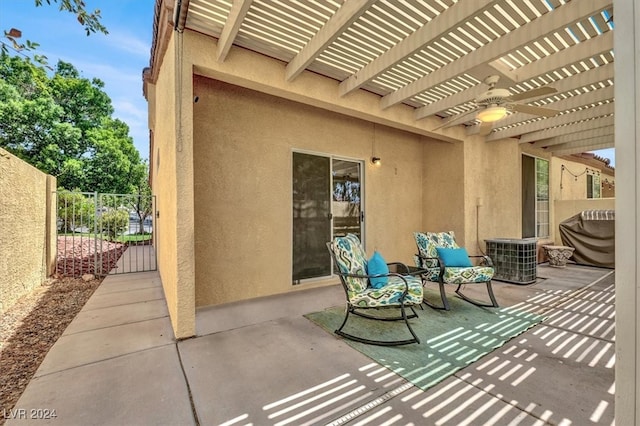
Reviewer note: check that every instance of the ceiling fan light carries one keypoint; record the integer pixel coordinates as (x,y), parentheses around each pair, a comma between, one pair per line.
(491,114)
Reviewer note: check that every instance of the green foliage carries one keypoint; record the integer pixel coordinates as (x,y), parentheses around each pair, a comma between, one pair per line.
(63,126)
(114,165)
(113,222)
(89,20)
(142,201)
(75,211)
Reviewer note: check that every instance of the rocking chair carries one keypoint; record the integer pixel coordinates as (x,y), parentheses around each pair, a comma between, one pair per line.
(447,263)
(399,291)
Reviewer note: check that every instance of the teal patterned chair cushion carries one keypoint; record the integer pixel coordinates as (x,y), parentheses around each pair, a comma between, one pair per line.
(476,274)
(427,243)
(390,294)
(351,259)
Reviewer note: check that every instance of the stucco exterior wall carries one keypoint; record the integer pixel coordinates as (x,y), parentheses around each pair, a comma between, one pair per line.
(27,228)
(168,159)
(442,186)
(493,181)
(243,147)
(473,189)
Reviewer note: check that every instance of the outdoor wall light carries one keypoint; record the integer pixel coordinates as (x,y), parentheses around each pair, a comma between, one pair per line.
(376,161)
(491,114)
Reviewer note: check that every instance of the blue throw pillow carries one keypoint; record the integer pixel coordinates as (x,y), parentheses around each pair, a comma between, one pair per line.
(454,257)
(377,265)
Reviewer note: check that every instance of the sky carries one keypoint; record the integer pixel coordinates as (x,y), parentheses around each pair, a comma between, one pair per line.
(117,58)
(609,153)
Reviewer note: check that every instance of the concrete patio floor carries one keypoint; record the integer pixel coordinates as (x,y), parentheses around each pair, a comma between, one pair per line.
(261,362)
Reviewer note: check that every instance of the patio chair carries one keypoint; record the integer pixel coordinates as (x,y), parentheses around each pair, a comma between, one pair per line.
(368,290)
(447,263)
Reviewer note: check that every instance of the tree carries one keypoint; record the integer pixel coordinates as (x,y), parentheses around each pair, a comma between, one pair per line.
(63,126)
(142,200)
(113,222)
(114,164)
(74,210)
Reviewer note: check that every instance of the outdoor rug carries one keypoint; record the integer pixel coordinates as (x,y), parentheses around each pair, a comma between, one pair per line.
(449,340)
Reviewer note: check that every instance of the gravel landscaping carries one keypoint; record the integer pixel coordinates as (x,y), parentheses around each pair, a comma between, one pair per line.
(30,327)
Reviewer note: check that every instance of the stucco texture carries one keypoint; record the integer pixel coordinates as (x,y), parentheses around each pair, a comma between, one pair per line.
(27,228)
(457,177)
(174,233)
(243,147)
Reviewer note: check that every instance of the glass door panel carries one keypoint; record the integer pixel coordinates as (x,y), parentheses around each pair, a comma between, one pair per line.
(347,201)
(311,216)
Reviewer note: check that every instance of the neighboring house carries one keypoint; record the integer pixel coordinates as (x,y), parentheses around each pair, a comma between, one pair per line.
(257,159)
(583,176)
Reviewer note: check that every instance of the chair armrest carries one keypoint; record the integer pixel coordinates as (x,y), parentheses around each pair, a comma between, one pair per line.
(403,268)
(437,259)
(486,260)
(439,262)
(399,265)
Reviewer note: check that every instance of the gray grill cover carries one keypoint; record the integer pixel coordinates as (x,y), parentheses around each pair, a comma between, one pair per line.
(592,234)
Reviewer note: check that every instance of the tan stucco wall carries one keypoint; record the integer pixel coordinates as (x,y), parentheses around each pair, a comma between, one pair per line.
(27,228)
(172,155)
(442,188)
(494,177)
(244,142)
(458,177)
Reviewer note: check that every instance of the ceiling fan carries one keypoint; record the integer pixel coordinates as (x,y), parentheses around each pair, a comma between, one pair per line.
(493,105)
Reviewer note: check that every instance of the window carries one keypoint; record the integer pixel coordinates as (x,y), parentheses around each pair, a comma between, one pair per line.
(594,188)
(535,197)
(542,198)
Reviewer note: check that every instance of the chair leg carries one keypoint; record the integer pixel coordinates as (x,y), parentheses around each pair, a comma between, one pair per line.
(373,317)
(443,295)
(403,317)
(406,321)
(493,304)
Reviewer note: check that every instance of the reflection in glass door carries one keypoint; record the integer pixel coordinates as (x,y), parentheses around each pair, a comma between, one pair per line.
(326,202)
(347,216)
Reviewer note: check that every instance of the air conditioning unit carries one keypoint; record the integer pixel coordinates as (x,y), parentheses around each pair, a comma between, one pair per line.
(514,260)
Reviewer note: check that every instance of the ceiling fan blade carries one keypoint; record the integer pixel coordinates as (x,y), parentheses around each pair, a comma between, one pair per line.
(535,110)
(485,128)
(533,93)
(453,120)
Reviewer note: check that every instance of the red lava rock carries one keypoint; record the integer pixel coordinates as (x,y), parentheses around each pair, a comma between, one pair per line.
(84,255)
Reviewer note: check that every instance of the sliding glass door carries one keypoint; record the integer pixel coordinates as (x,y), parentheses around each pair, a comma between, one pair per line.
(326,202)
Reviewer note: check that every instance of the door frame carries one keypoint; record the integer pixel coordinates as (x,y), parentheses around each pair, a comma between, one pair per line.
(331,158)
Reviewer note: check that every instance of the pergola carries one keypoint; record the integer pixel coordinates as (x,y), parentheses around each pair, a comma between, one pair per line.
(435,55)
(431,57)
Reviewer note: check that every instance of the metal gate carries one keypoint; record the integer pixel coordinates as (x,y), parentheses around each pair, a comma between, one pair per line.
(104,234)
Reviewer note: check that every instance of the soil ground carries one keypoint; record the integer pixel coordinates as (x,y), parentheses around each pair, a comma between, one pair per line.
(33,324)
